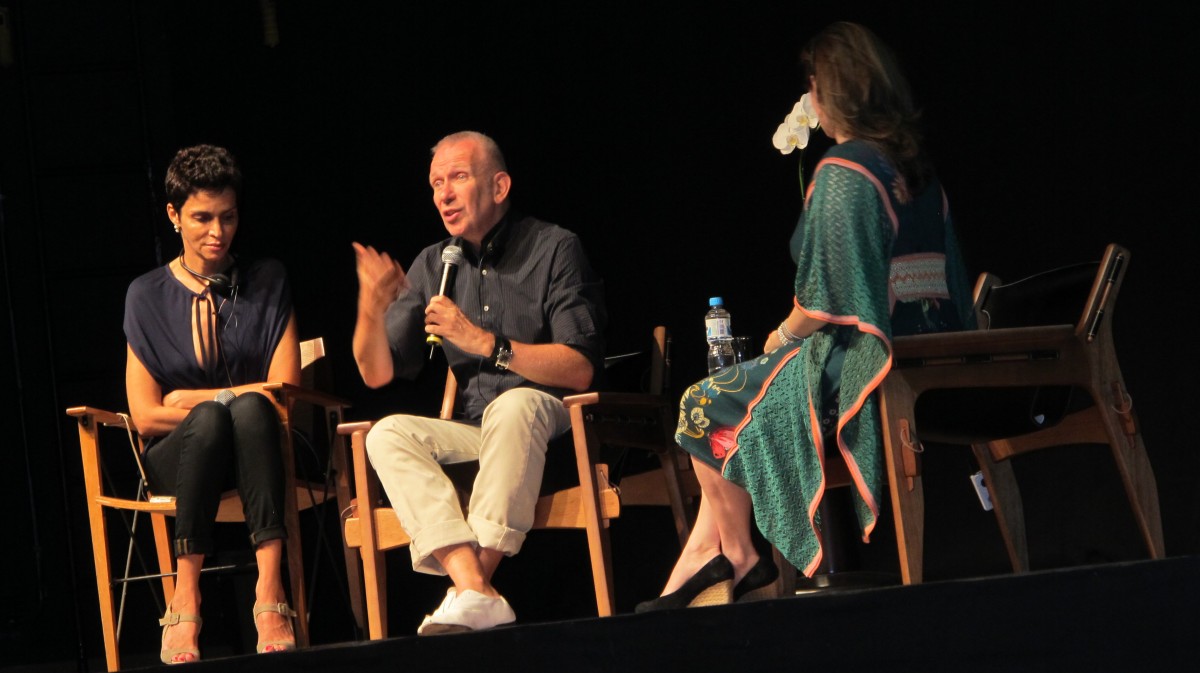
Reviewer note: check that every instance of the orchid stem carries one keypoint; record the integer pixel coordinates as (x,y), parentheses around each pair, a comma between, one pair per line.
(801,164)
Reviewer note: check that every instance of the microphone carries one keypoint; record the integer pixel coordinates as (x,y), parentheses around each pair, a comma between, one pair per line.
(451,257)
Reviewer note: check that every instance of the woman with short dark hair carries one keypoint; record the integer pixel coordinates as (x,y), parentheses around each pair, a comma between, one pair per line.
(204,333)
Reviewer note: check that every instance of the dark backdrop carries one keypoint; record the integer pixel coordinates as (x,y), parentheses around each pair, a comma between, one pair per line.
(645,128)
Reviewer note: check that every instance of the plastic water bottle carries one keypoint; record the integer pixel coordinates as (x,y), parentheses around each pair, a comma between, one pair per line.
(719,333)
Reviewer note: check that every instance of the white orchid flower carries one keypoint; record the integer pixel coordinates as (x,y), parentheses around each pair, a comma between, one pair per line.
(793,132)
(788,137)
(803,112)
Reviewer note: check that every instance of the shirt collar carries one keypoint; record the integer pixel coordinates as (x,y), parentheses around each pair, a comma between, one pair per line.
(493,244)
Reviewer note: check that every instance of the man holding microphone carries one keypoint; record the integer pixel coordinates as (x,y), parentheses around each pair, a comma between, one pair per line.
(520,316)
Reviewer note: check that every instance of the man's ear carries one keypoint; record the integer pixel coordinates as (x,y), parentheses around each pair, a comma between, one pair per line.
(502,182)
(173,215)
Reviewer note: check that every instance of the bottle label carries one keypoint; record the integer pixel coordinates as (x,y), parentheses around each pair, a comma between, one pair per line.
(717,328)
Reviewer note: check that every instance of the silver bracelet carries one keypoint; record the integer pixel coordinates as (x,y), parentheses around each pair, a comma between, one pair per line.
(785,335)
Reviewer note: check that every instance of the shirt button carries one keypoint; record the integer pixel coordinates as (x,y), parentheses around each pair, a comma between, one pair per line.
(484,272)
(487,308)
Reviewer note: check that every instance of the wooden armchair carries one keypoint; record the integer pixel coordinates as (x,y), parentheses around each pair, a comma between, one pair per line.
(645,421)
(597,419)
(302,496)
(1041,371)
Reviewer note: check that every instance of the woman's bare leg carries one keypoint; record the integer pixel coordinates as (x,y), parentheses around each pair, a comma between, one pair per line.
(186,601)
(272,626)
(722,527)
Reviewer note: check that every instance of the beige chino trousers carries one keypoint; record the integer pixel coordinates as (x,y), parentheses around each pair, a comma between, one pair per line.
(510,444)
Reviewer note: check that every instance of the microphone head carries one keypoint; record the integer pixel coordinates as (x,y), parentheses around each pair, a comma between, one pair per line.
(452,255)
(221,284)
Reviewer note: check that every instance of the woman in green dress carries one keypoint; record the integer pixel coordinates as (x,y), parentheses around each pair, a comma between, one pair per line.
(876,257)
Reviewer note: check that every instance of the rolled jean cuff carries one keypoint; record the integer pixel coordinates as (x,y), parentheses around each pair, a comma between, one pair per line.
(268,534)
(190,546)
(492,535)
(435,537)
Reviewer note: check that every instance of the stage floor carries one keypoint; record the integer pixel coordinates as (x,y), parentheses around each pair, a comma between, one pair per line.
(1139,615)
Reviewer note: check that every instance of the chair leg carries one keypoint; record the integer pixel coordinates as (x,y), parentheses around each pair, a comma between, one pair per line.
(345,496)
(295,561)
(354,583)
(108,622)
(166,559)
(294,546)
(675,494)
(89,445)
(597,531)
(374,575)
(1129,453)
(901,450)
(1109,421)
(1006,503)
(375,588)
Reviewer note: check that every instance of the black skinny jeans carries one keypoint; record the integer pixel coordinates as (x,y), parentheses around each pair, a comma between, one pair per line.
(215,449)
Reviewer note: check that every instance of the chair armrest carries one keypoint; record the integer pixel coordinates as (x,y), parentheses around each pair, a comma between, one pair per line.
(302,394)
(100,415)
(631,401)
(981,344)
(353,427)
(625,419)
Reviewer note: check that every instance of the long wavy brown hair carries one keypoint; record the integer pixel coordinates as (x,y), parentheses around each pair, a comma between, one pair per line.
(865,94)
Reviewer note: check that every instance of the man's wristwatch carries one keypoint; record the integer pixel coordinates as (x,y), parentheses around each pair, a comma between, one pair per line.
(501,353)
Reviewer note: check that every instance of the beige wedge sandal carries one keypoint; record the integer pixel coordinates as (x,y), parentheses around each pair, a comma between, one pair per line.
(173,619)
(277,645)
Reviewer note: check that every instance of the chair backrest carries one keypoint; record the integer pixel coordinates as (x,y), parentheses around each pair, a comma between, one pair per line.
(658,380)
(1077,294)
(1081,295)
(311,351)
(449,396)
(306,421)
(660,362)
(314,371)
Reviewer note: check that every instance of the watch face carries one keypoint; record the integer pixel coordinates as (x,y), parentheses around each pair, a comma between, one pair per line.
(503,357)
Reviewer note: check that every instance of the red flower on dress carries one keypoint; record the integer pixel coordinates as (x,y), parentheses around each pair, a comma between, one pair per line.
(722,441)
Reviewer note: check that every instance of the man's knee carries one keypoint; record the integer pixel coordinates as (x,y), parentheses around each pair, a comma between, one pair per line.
(376,441)
(524,407)
(388,436)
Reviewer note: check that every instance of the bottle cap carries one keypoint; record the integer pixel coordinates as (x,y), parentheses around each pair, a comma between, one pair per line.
(716,301)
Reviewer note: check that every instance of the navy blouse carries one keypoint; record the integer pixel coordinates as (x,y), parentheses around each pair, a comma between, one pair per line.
(250,324)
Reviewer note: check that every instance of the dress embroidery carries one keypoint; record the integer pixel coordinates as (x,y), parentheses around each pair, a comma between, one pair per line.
(918,276)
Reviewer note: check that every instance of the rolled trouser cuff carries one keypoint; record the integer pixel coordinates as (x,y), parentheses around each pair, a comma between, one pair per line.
(435,537)
(268,534)
(190,546)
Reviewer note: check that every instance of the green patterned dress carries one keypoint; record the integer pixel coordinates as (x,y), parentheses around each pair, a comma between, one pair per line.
(872,262)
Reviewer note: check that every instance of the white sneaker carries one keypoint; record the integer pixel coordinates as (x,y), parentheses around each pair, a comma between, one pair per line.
(471,611)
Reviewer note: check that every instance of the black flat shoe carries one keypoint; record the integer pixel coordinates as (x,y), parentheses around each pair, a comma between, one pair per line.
(760,577)
(712,585)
